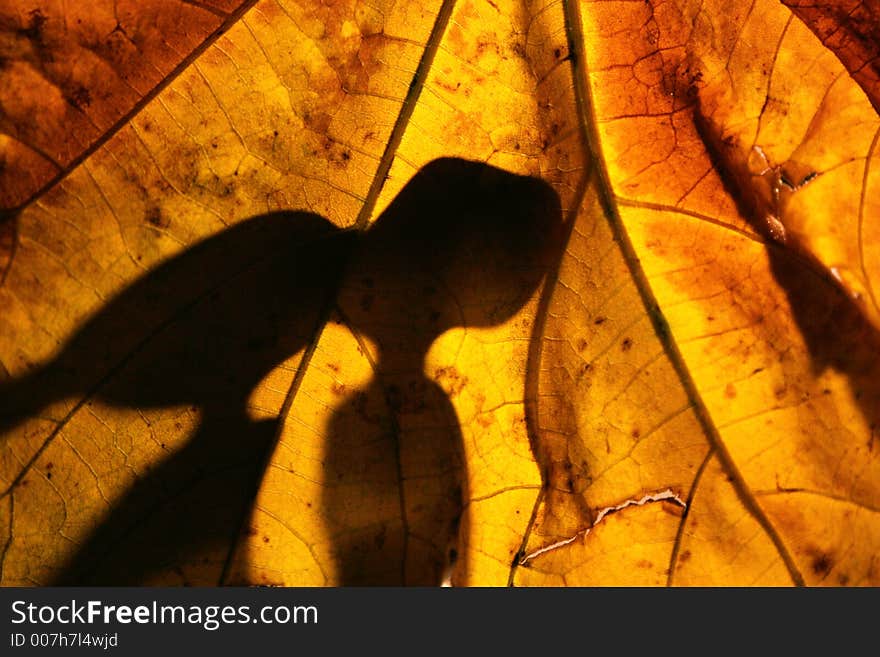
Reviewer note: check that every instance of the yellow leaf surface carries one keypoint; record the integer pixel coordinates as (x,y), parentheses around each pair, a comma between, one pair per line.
(544,293)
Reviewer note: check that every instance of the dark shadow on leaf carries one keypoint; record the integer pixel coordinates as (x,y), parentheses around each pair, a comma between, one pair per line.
(464,244)
(834,327)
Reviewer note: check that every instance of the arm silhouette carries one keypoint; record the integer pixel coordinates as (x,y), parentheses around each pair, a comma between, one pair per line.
(201,330)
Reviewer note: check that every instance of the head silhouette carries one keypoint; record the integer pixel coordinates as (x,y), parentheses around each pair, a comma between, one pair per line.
(463,244)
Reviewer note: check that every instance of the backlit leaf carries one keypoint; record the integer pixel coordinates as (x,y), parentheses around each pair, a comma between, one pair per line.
(492,292)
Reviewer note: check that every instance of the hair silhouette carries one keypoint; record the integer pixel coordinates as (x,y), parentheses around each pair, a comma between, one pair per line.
(464,244)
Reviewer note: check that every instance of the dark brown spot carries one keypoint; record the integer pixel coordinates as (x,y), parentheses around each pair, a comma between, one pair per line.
(635,432)
(599,320)
(822,564)
(452,378)
(265,539)
(80,97)
(684,557)
(582,344)
(627,344)
(34,30)
(155,218)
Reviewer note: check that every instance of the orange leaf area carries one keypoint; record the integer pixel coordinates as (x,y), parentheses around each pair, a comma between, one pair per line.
(70,72)
(475,292)
(739,151)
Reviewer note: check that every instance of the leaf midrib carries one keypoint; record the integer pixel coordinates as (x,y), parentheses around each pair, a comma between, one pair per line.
(585,109)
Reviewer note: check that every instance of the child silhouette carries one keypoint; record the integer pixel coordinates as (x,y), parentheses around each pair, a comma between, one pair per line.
(464,244)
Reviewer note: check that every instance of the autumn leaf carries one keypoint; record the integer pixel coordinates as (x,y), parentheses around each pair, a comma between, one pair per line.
(762,271)
(512,293)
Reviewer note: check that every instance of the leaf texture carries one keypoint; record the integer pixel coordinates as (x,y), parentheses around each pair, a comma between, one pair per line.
(492,293)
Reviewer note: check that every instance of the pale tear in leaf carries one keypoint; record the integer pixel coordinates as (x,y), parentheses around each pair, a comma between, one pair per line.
(662,496)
